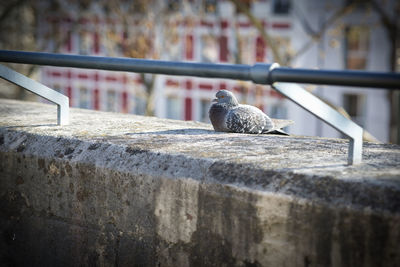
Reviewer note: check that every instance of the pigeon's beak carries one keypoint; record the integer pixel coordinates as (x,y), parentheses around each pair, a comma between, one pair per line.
(215,100)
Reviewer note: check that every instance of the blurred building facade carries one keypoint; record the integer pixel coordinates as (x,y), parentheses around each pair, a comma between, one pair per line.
(217,32)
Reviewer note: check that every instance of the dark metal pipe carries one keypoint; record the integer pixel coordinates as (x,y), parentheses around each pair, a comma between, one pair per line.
(259,73)
(337,77)
(229,71)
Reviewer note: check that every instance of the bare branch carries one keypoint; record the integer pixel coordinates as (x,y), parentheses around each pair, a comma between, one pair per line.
(149,85)
(385,18)
(10,8)
(347,9)
(304,22)
(257,23)
(316,37)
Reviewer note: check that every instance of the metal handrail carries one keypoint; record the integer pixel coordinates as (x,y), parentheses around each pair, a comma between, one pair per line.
(264,74)
(270,74)
(39,89)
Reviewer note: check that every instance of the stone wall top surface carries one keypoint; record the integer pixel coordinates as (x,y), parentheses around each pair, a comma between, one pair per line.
(309,167)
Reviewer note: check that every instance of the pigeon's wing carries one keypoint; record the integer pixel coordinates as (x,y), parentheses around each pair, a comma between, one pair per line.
(248,119)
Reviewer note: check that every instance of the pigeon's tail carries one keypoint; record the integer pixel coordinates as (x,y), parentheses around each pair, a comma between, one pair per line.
(278,132)
(278,125)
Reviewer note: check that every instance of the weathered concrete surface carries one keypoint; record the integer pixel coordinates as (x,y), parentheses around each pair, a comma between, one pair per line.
(124,190)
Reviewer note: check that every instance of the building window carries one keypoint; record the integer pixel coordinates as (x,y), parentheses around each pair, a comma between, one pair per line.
(204,107)
(140,105)
(281,7)
(354,104)
(245,50)
(84,98)
(357,47)
(111,101)
(209,48)
(173,44)
(85,42)
(174,108)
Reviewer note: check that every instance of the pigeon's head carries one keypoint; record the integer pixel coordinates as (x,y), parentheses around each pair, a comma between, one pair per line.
(226,97)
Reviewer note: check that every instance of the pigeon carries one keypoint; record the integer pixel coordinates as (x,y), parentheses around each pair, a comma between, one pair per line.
(227,115)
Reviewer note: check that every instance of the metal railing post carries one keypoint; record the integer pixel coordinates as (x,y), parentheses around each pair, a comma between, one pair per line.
(39,89)
(262,73)
(321,110)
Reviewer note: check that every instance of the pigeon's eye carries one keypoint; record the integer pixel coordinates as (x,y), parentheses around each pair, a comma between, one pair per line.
(222,96)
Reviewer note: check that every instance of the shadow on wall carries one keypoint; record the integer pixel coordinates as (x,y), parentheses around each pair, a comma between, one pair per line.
(187,131)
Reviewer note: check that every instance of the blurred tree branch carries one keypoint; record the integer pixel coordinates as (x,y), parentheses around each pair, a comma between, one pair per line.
(385,18)
(148,81)
(10,8)
(259,26)
(315,37)
(34,44)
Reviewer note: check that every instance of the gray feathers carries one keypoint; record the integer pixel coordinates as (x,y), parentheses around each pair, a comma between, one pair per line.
(248,119)
(227,115)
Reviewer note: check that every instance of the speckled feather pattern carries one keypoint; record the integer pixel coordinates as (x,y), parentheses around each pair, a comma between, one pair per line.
(227,115)
(248,119)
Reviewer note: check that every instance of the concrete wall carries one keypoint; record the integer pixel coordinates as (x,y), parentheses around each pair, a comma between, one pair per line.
(124,190)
